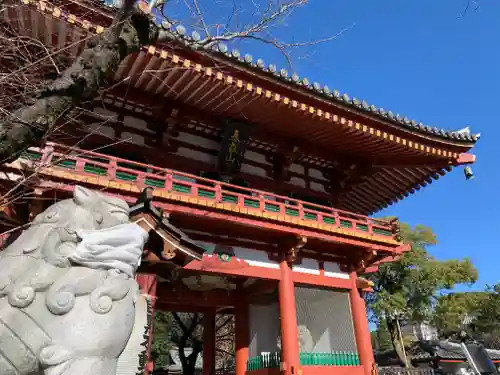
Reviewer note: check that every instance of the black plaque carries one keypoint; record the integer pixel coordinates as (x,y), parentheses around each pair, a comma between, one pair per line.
(235,139)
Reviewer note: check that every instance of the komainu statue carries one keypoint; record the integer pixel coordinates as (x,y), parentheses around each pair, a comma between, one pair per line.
(68,289)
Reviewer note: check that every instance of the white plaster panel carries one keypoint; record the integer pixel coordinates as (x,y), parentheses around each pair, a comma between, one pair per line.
(257,157)
(310,266)
(251,169)
(196,155)
(255,258)
(199,141)
(264,329)
(99,128)
(135,122)
(133,138)
(317,187)
(316,174)
(297,182)
(332,270)
(297,168)
(105,112)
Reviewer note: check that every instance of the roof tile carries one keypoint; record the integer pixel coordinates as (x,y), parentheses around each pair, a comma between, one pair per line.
(179,34)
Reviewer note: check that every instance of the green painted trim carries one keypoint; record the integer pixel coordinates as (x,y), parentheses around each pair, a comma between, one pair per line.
(337,358)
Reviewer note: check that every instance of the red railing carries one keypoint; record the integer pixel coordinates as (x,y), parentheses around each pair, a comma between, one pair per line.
(143,175)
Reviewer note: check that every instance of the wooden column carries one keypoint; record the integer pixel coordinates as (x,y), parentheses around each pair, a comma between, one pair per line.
(288,320)
(209,342)
(361,329)
(147,284)
(242,338)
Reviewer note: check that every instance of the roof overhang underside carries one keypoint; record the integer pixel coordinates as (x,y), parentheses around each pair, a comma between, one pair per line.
(154,79)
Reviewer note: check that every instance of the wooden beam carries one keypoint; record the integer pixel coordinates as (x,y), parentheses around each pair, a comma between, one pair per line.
(178,297)
(182,295)
(144,98)
(465,158)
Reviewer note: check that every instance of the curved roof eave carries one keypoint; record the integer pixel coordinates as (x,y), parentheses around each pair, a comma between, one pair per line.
(461,138)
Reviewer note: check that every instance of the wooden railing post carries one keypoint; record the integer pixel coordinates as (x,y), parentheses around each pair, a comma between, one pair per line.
(47,153)
(169,181)
(336,217)
(80,165)
(194,190)
(111,171)
(300,208)
(218,193)
(262,204)
(141,180)
(241,200)
(370,226)
(319,218)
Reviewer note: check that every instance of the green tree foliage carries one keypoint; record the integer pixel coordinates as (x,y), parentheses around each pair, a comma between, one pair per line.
(487,322)
(373,338)
(451,310)
(161,339)
(381,339)
(188,332)
(177,330)
(407,289)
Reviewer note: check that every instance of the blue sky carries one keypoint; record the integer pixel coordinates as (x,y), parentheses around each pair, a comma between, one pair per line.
(421,59)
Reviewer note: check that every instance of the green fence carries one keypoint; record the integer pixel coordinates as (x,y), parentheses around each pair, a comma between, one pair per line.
(272,360)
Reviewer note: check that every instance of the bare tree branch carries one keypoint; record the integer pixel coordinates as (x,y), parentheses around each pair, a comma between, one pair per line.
(29,125)
(474,4)
(259,31)
(200,17)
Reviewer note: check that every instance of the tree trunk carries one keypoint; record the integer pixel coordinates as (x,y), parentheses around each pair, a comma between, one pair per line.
(30,125)
(392,327)
(189,362)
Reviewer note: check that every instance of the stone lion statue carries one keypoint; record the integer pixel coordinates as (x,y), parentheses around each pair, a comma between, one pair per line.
(306,342)
(68,289)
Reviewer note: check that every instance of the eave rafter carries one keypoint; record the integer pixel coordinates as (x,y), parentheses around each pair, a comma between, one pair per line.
(181,76)
(133,70)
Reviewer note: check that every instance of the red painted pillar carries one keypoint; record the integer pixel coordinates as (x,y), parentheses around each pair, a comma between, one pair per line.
(147,284)
(288,320)
(242,338)
(361,329)
(209,342)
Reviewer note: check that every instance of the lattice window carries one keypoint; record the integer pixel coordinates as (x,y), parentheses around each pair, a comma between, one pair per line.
(324,320)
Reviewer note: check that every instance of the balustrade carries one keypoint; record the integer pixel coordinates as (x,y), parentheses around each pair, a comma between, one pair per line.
(142,175)
(273,360)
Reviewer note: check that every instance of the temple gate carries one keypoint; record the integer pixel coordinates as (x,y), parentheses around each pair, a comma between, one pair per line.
(256,187)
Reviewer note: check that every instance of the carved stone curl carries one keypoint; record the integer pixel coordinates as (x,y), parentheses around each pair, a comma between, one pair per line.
(68,290)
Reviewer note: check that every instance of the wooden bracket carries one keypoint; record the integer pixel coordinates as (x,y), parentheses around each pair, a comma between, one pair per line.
(396,229)
(281,161)
(344,174)
(359,265)
(292,250)
(171,244)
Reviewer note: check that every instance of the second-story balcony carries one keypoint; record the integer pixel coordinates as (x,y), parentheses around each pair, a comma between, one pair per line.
(58,167)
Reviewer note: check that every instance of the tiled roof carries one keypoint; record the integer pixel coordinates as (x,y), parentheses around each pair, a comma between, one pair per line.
(179,35)
(454,351)
(425,351)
